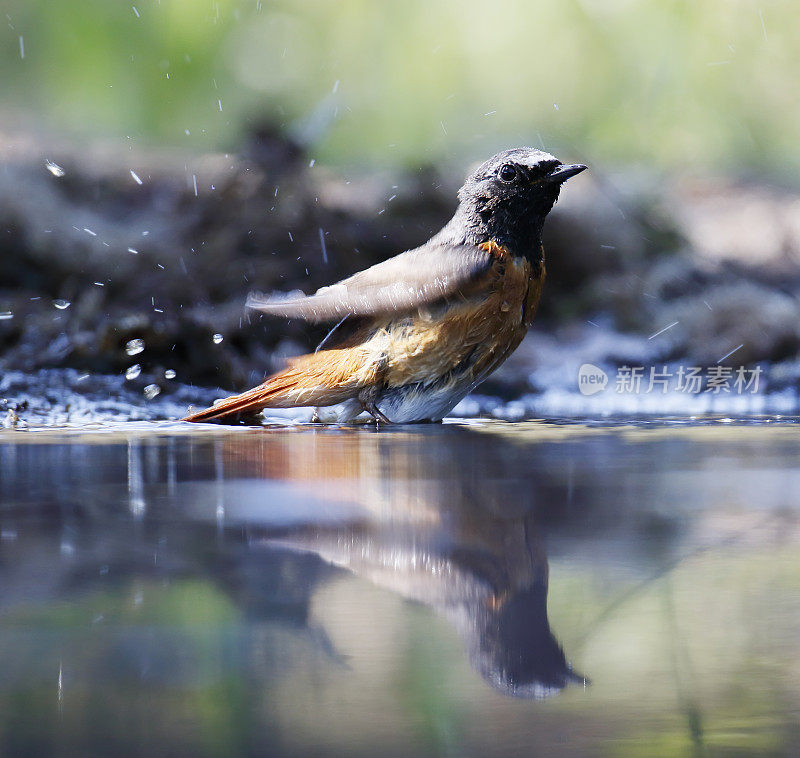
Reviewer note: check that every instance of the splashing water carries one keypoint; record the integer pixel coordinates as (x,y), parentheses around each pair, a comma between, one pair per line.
(54,168)
(134,347)
(151,390)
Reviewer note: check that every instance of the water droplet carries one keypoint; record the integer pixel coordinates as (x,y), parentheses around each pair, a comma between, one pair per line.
(133,250)
(151,390)
(135,177)
(6,315)
(217,338)
(62,305)
(169,374)
(134,347)
(133,371)
(54,168)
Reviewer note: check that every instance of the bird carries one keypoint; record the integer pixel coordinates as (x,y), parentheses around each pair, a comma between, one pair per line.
(430,324)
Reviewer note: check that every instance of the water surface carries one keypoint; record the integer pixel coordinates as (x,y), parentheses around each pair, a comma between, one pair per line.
(473,588)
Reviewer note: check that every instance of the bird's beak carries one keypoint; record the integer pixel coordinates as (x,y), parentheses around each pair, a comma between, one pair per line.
(561,173)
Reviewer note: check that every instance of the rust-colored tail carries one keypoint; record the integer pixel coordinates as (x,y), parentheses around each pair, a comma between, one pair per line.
(325,378)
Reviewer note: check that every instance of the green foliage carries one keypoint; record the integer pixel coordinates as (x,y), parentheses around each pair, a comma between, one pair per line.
(675,84)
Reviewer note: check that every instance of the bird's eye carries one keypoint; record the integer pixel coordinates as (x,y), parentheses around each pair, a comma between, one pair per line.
(507,172)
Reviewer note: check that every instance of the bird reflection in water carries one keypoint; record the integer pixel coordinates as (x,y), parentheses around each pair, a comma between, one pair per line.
(438,522)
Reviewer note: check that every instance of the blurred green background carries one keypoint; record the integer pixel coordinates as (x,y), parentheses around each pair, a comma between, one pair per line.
(676,85)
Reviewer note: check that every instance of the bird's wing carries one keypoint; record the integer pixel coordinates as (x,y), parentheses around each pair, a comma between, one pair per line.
(409,280)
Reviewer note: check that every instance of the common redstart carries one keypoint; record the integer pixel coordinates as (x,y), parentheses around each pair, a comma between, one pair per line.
(430,324)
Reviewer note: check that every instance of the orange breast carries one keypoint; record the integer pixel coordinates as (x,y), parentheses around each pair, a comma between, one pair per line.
(472,336)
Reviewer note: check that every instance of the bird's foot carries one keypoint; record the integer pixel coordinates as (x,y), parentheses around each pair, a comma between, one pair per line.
(373,410)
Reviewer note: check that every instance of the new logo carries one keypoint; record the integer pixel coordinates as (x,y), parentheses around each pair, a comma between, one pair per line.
(591,379)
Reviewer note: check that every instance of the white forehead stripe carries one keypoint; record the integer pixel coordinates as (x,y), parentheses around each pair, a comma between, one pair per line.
(546,157)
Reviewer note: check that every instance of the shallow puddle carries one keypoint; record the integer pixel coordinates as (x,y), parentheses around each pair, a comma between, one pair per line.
(472,588)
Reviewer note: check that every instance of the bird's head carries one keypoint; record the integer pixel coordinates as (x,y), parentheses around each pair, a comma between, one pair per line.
(507,198)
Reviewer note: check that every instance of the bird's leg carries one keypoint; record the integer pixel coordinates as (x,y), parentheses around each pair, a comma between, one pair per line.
(375,412)
(367,398)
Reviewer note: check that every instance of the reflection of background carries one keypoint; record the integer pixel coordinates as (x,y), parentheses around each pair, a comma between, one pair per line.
(678,85)
(286,145)
(138,567)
